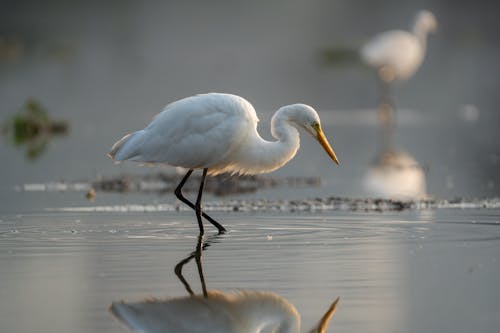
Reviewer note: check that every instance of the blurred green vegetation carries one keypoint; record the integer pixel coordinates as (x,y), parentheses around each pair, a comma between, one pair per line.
(340,56)
(31,129)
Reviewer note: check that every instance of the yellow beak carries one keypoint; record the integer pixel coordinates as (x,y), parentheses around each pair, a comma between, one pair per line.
(326,146)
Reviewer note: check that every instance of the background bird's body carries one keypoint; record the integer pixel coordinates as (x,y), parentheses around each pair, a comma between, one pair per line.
(397,51)
(397,54)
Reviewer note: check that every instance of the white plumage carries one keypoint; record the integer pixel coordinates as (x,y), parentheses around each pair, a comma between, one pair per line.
(237,312)
(194,132)
(218,133)
(397,54)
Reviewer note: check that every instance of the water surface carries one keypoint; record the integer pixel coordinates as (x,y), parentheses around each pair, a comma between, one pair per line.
(414,271)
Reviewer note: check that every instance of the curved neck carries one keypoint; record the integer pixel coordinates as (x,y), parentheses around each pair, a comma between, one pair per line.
(420,30)
(259,155)
(287,141)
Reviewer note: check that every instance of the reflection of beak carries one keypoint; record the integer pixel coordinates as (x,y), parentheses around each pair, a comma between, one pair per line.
(326,146)
(323,322)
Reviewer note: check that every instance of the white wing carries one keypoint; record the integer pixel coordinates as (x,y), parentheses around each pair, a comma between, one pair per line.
(194,132)
(397,49)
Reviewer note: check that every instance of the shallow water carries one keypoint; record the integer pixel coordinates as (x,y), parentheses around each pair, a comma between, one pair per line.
(414,271)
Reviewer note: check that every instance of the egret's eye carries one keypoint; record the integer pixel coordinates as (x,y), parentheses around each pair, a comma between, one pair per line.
(315,125)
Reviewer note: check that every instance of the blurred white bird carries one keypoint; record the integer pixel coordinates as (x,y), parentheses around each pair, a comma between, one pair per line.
(218,133)
(397,54)
(237,312)
(395,174)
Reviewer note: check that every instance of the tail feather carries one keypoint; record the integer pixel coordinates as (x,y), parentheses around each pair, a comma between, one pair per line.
(123,149)
(126,315)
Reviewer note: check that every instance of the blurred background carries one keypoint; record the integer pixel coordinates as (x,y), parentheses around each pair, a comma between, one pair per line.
(98,70)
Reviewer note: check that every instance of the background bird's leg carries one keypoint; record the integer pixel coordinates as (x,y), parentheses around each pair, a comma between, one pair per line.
(180,196)
(385,92)
(386,113)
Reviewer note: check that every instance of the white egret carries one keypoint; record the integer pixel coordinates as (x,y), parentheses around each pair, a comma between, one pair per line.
(397,54)
(236,312)
(218,133)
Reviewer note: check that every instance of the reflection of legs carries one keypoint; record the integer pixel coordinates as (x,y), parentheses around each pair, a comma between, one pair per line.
(180,196)
(200,246)
(199,249)
(178,272)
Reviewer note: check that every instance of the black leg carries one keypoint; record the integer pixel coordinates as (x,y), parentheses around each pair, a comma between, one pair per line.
(180,196)
(198,201)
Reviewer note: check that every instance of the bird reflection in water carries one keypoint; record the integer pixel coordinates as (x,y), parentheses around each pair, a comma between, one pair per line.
(394,173)
(214,311)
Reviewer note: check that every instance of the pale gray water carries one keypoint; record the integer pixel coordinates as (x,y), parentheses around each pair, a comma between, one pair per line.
(415,271)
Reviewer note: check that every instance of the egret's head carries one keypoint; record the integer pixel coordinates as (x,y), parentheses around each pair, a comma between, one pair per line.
(305,117)
(426,20)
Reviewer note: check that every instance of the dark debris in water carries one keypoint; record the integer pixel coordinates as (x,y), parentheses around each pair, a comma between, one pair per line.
(325,204)
(218,185)
(306,205)
(166,183)
(226,185)
(379,205)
